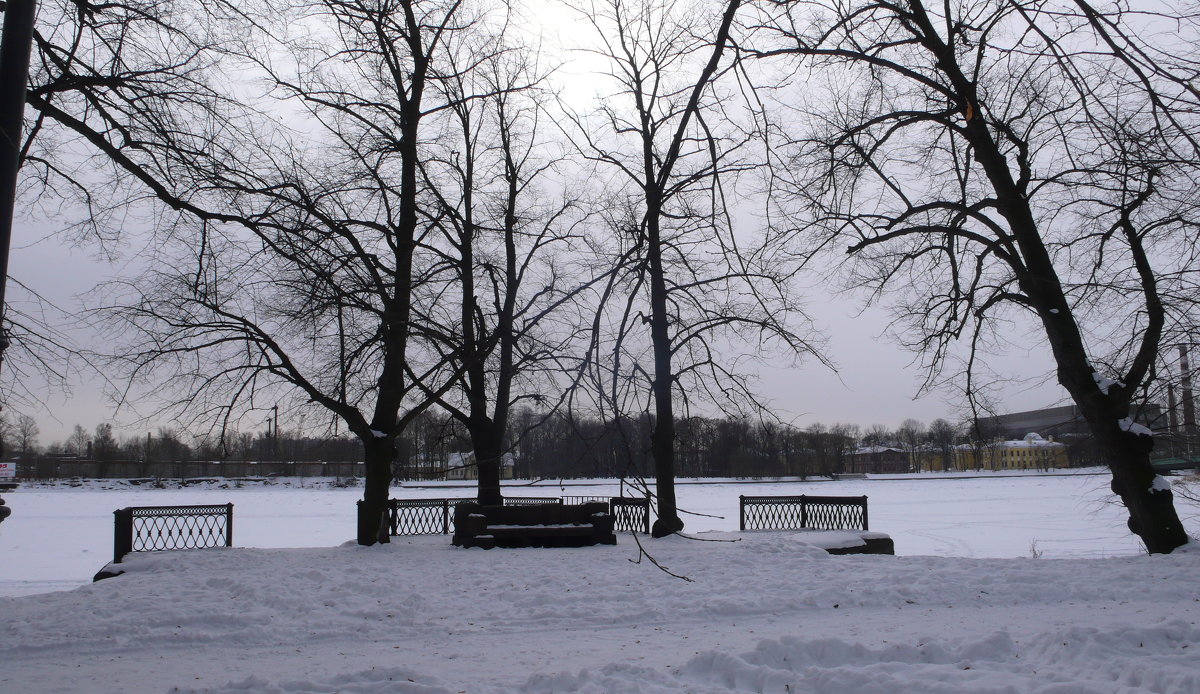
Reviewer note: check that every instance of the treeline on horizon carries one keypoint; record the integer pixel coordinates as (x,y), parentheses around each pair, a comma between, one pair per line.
(558,445)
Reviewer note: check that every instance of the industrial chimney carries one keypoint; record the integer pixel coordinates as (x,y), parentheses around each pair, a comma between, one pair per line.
(1189,405)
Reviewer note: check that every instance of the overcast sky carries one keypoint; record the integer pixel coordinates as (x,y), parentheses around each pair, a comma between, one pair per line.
(875,382)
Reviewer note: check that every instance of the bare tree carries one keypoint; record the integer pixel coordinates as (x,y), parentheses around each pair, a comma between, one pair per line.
(942,436)
(25,435)
(41,356)
(910,436)
(297,268)
(997,161)
(505,217)
(667,146)
(878,435)
(77,442)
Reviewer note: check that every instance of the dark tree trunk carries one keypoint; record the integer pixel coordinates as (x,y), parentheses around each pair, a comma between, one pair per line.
(488,456)
(1152,515)
(373,509)
(662,436)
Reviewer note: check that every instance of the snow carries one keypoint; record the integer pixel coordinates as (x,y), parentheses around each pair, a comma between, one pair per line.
(1160,484)
(378,434)
(1127,424)
(1104,382)
(870,450)
(1031,440)
(762,611)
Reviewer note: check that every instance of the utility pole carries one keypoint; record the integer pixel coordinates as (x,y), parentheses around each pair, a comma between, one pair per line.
(15,41)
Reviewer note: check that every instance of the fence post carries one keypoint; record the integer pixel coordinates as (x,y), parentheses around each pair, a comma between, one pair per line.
(804,511)
(445,516)
(228,525)
(742,512)
(122,533)
(866,526)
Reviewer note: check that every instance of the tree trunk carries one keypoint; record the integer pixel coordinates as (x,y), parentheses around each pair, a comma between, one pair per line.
(373,509)
(488,457)
(662,436)
(1152,515)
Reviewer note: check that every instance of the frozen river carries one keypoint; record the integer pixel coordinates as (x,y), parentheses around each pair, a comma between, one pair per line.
(57,538)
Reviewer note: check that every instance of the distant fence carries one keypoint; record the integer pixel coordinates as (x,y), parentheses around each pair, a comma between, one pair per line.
(152,528)
(803,512)
(436,516)
(56,468)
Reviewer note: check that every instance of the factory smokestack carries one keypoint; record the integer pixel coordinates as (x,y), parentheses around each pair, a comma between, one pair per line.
(1172,406)
(1189,405)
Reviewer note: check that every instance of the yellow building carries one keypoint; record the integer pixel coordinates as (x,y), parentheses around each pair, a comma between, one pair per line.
(1030,453)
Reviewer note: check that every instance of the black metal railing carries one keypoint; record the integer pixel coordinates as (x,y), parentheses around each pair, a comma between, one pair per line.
(153,528)
(803,512)
(632,513)
(420,516)
(530,500)
(436,516)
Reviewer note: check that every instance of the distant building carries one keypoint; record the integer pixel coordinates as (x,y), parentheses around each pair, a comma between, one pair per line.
(461,466)
(877,460)
(1031,452)
(927,458)
(1058,422)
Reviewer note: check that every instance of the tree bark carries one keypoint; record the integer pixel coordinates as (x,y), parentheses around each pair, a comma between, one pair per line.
(1152,514)
(488,456)
(662,436)
(373,509)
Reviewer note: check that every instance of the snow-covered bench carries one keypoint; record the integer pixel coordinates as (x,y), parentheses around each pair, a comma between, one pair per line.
(543,525)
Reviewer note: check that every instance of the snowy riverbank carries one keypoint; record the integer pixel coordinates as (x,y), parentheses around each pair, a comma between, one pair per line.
(965,607)
(763,613)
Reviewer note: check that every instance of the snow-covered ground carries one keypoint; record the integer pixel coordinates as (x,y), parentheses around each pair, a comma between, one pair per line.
(964,608)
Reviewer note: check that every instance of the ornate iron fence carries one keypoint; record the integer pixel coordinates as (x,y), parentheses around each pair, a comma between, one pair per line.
(436,516)
(420,516)
(529,500)
(152,528)
(632,514)
(803,512)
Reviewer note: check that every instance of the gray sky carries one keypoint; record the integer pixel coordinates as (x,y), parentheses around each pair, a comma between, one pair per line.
(875,383)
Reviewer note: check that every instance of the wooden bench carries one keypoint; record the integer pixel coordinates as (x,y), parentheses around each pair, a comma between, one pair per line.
(543,525)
